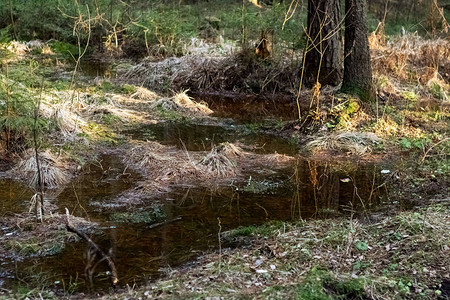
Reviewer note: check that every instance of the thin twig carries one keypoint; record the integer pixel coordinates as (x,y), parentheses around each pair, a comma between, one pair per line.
(103,255)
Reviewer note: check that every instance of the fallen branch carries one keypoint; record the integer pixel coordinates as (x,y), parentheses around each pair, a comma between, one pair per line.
(431,148)
(164,223)
(96,248)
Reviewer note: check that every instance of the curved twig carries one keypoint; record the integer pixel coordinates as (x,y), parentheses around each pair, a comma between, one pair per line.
(96,248)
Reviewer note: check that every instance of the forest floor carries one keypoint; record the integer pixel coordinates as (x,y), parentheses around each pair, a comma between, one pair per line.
(97,110)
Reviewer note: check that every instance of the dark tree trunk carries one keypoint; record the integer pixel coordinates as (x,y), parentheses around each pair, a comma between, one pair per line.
(324,43)
(357,67)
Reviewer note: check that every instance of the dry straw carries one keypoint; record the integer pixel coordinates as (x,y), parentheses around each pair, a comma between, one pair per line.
(217,163)
(166,165)
(52,169)
(354,142)
(182,103)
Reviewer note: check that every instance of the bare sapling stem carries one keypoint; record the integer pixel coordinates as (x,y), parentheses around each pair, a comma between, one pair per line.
(40,188)
(220,244)
(12,19)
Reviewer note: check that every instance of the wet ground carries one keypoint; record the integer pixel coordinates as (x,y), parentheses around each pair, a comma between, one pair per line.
(307,189)
(148,238)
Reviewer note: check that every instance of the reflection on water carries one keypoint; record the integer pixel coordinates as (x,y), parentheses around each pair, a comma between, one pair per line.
(307,189)
(251,108)
(94,68)
(13,196)
(196,137)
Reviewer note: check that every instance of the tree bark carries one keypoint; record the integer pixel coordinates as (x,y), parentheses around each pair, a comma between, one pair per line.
(357,66)
(323,55)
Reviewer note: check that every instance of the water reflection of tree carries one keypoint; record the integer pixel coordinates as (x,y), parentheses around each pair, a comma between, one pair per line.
(324,189)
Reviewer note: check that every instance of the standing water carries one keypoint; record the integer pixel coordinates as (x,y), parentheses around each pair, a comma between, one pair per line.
(189,216)
(148,237)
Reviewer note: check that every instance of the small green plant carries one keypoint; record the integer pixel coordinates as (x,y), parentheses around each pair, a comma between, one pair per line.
(321,284)
(418,143)
(382,81)
(405,144)
(361,246)
(410,96)
(64,49)
(111,120)
(171,115)
(129,89)
(437,90)
(404,288)
(361,265)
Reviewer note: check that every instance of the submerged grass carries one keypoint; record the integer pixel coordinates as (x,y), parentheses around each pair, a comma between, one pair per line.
(150,215)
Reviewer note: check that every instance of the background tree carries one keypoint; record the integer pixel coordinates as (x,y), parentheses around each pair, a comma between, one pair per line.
(357,66)
(323,57)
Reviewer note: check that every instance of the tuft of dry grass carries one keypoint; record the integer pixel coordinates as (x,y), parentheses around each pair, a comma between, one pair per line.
(165,166)
(53,170)
(230,150)
(144,94)
(168,165)
(354,142)
(181,102)
(68,122)
(216,162)
(187,103)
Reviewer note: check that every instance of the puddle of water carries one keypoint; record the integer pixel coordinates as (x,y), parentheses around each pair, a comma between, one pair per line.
(94,68)
(14,196)
(250,108)
(202,137)
(306,189)
(104,180)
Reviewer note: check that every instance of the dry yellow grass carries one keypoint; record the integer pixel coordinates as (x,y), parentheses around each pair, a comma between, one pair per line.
(184,104)
(52,168)
(412,58)
(355,142)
